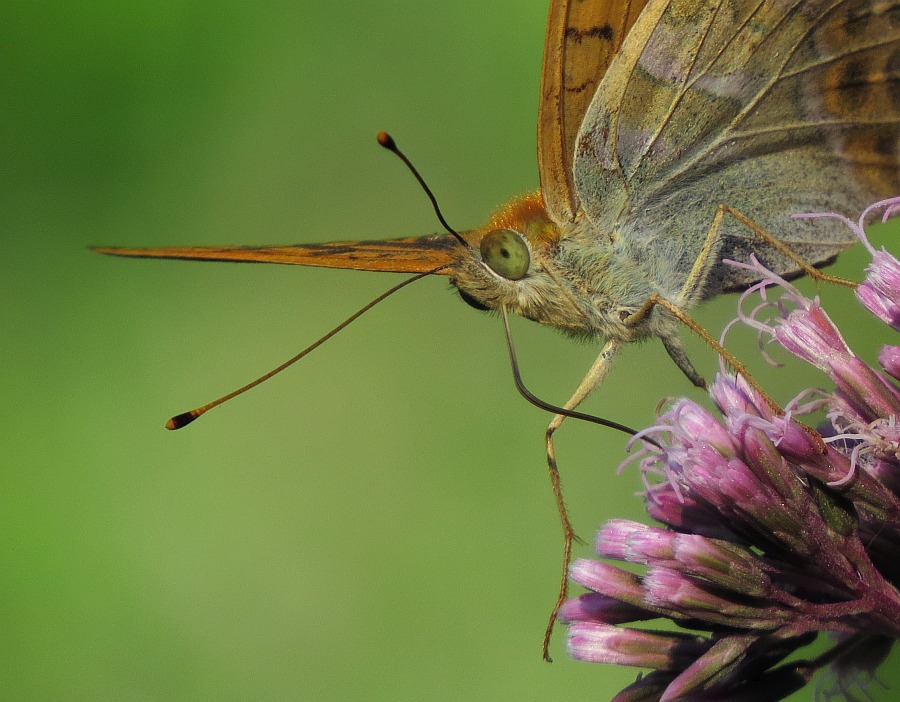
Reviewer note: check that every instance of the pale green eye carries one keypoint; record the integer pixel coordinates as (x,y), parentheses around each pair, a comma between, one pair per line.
(506,253)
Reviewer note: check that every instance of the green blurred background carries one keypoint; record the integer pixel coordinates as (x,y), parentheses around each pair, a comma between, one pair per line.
(375,524)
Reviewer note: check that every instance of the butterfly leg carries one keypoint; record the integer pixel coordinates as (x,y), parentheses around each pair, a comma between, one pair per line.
(677,353)
(697,328)
(694,282)
(695,279)
(588,384)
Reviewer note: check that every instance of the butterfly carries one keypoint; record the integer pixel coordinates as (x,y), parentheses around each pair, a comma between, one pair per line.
(672,134)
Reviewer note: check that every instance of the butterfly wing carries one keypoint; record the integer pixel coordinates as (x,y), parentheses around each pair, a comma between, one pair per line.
(410,255)
(582,39)
(771,106)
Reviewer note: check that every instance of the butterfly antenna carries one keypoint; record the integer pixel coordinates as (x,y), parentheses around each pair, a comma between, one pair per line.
(185,418)
(553,409)
(387,141)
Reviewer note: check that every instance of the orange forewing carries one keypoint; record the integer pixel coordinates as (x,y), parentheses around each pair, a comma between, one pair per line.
(412,255)
(582,40)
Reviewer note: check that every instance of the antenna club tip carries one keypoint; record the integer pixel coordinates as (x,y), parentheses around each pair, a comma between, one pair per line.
(181,420)
(387,141)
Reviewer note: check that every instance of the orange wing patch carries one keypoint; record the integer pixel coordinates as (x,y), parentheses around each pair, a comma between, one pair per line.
(582,40)
(410,255)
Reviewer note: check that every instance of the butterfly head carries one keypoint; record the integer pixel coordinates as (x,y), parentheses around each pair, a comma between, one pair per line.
(511,263)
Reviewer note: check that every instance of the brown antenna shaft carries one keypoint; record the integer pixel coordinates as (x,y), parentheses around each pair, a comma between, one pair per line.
(185,418)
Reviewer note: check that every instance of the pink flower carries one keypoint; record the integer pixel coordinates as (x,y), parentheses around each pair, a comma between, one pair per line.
(771,533)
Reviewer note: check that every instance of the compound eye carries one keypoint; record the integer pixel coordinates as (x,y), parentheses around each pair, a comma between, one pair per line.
(506,253)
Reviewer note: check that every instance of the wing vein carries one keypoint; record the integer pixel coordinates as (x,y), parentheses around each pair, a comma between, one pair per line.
(731,134)
(838,57)
(683,90)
